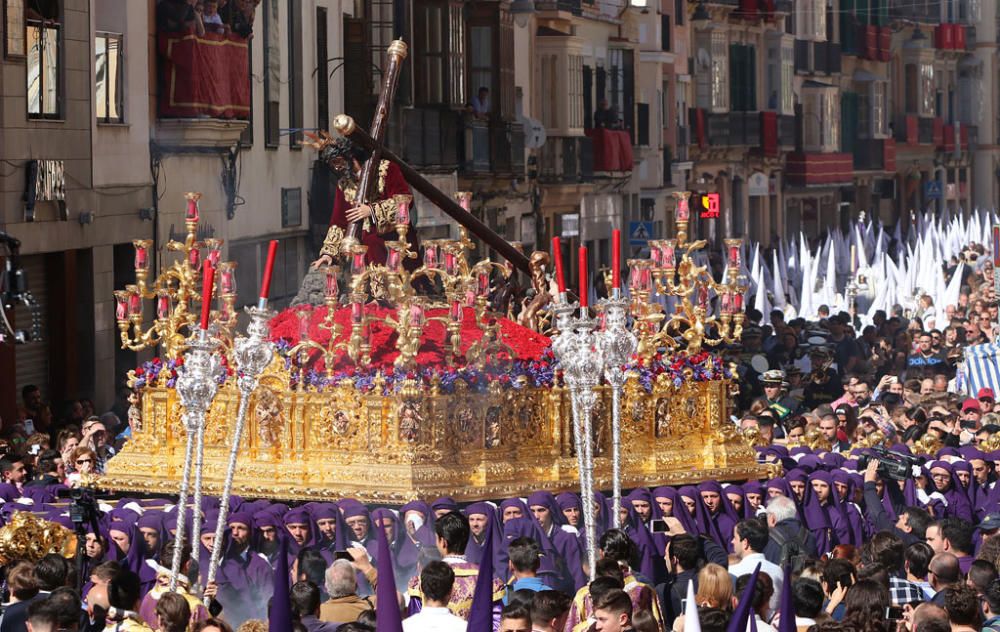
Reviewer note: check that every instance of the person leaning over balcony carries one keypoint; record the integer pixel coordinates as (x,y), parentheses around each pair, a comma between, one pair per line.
(210,17)
(178,16)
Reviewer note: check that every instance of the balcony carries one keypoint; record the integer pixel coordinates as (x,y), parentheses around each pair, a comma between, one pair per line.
(947,140)
(776,132)
(950,37)
(744,128)
(492,147)
(816,169)
(826,58)
(905,129)
(683,140)
(566,160)
(612,150)
(817,57)
(431,138)
(203,77)
(874,154)
(925,130)
(572,6)
(476,137)
(970,137)
(786,131)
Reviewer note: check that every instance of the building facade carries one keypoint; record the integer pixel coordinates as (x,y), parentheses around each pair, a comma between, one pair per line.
(562,117)
(97,135)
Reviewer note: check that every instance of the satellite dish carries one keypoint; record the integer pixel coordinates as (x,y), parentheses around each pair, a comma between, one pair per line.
(534,133)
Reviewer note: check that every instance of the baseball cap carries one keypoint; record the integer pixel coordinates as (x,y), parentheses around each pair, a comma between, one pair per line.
(990,523)
(970,404)
(986,393)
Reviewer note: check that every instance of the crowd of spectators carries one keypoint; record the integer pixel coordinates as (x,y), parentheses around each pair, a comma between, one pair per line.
(839,537)
(206,16)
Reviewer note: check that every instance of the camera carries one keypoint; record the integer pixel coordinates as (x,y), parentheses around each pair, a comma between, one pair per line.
(893,465)
(83,508)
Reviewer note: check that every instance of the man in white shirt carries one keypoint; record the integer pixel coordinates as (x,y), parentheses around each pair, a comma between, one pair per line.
(749,541)
(436,582)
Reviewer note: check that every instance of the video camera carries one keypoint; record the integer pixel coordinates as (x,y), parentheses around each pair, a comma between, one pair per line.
(83,508)
(892,465)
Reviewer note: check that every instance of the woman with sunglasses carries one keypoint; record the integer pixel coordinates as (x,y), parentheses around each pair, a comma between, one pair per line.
(82,461)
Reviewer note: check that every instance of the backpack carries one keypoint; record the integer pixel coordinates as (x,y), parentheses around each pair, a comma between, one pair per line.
(793,553)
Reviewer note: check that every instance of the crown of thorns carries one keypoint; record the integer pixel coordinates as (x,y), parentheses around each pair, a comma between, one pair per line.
(332,148)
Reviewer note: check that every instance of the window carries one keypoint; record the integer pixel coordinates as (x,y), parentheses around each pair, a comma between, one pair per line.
(272,74)
(821,118)
(873,108)
(810,20)
(664,32)
(911,89)
(295,115)
(322,71)
(44,64)
(381,24)
(109,69)
(621,86)
(490,46)
(720,72)
(481,58)
(928,90)
(575,80)
(439,54)
(679,10)
(743,70)
(880,109)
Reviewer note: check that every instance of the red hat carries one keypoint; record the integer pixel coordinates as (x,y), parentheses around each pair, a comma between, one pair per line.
(986,393)
(970,404)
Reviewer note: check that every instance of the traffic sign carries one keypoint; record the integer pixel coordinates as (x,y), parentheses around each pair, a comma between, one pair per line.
(932,189)
(639,233)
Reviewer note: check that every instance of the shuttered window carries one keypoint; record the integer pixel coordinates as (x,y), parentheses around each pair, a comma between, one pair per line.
(743,70)
(852,124)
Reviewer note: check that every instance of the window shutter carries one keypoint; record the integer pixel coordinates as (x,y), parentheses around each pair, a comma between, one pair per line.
(849,121)
(735,89)
(751,53)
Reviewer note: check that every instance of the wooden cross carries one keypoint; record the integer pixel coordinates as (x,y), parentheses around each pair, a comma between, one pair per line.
(373,144)
(396,55)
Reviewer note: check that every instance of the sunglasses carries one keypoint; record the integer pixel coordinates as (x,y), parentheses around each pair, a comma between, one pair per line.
(82,461)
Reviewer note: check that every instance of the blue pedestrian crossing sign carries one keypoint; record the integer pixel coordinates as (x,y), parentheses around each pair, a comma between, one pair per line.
(932,189)
(639,233)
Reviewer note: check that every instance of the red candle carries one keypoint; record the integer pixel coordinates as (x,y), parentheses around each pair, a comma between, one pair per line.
(141,258)
(616,259)
(557,260)
(584,303)
(208,275)
(265,286)
(332,288)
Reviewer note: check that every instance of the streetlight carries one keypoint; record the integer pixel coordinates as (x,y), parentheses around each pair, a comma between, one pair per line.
(522,11)
(701,16)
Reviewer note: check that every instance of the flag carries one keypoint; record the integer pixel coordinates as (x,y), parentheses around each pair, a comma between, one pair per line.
(279,617)
(744,609)
(389,618)
(481,611)
(982,368)
(786,609)
(691,621)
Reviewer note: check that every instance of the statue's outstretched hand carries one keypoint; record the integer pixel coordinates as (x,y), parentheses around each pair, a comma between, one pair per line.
(324,260)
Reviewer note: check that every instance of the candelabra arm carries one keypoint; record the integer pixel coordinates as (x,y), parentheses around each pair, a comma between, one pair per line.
(253,354)
(197,385)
